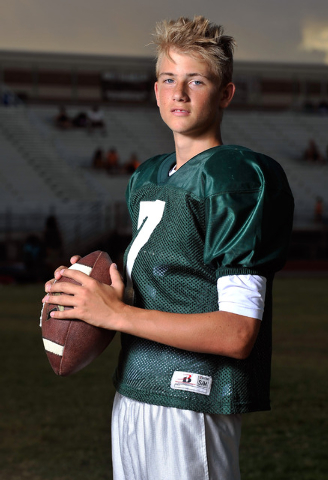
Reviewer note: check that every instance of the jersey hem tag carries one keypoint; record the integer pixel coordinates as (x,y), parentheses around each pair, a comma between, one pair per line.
(191,382)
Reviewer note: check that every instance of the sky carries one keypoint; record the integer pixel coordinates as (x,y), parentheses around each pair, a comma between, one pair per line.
(265,30)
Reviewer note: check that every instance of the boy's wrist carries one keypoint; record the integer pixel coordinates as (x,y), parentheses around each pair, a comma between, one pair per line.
(123,321)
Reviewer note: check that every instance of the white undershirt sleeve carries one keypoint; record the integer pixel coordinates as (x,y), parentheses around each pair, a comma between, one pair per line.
(242,294)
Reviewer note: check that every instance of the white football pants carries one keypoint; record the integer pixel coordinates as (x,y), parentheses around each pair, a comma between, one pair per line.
(151,442)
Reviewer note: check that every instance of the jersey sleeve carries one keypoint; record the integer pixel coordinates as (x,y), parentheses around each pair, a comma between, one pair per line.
(249,222)
(242,294)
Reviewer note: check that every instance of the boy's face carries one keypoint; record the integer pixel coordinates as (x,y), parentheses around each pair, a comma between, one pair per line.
(189,96)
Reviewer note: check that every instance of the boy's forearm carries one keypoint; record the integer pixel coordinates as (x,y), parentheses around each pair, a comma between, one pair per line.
(219,333)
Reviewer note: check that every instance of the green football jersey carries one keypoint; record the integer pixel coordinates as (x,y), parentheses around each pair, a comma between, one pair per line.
(227,211)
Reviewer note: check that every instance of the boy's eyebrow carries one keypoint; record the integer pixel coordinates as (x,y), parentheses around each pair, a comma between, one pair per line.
(170,74)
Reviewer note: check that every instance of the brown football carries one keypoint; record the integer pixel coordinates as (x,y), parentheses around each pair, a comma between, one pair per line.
(71,345)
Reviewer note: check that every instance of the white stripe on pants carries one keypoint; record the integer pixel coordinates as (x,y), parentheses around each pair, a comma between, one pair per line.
(151,442)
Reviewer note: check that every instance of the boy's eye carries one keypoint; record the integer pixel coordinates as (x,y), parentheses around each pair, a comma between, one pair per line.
(168,80)
(197,82)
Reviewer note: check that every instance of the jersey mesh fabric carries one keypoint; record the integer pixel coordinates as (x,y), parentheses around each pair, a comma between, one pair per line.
(173,273)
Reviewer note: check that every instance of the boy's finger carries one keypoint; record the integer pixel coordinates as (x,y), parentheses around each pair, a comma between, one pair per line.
(64,300)
(117,282)
(68,314)
(57,273)
(76,275)
(75,258)
(48,284)
(64,287)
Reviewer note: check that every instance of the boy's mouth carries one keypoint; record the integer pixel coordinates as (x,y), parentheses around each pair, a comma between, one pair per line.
(179,110)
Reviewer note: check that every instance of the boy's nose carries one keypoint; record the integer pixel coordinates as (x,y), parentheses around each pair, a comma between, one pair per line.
(180,94)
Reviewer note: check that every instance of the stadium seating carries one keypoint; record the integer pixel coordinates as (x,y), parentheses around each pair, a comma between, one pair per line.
(46,170)
(284,136)
(129,129)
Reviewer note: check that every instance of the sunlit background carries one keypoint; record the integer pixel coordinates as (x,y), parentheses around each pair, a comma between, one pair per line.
(287,31)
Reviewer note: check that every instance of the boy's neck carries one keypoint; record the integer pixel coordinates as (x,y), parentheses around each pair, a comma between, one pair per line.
(187,148)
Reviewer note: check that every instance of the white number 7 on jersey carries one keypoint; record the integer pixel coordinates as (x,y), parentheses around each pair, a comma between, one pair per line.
(150,214)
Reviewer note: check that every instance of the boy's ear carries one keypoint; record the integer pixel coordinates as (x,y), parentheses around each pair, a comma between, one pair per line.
(156,92)
(227,93)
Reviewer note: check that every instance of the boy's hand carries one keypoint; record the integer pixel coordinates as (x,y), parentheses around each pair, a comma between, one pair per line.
(92,301)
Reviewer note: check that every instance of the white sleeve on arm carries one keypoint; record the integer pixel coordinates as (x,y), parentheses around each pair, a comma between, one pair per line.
(242,294)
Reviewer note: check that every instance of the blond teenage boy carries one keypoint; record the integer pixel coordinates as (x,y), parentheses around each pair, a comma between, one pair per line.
(211,225)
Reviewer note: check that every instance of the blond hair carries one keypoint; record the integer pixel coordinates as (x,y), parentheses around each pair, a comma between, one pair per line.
(196,38)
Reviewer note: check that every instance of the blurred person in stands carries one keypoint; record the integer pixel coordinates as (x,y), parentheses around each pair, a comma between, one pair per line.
(33,257)
(318,210)
(53,243)
(132,164)
(98,160)
(96,119)
(323,107)
(80,120)
(312,153)
(112,161)
(62,120)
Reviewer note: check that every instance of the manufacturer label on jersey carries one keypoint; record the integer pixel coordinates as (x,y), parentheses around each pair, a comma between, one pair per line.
(191,382)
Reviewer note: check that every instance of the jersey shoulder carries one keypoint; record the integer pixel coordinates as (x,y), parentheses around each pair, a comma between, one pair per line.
(233,168)
(147,172)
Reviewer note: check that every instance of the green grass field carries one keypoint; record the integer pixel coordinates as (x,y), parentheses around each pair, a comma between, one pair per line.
(54,428)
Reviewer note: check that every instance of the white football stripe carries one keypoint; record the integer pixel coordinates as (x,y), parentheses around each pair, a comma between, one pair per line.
(81,268)
(76,266)
(53,347)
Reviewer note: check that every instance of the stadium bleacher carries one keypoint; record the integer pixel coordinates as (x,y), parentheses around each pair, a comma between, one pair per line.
(284,136)
(129,129)
(45,170)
